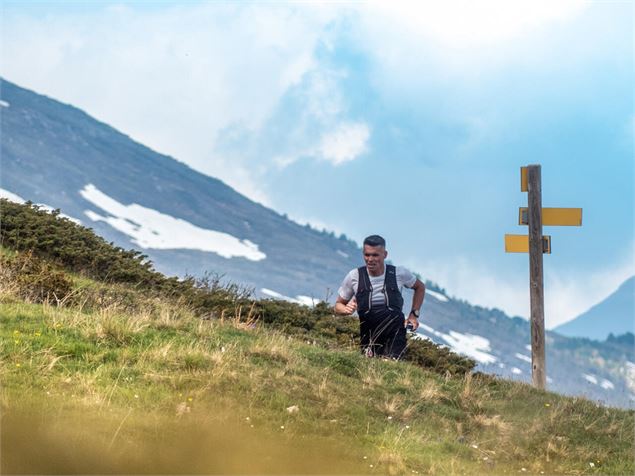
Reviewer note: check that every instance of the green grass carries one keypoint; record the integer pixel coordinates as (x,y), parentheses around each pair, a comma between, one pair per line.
(109,367)
(158,390)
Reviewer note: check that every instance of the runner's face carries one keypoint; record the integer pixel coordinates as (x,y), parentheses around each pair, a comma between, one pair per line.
(374,257)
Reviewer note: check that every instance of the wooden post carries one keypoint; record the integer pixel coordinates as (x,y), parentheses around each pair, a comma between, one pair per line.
(536,285)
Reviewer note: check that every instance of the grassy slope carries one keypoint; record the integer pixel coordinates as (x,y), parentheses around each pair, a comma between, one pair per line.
(129,377)
(159,390)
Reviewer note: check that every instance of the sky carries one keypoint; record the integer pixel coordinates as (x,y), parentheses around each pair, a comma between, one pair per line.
(406,119)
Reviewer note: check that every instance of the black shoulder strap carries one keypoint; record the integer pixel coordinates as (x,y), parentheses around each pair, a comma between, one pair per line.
(363,283)
(391,275)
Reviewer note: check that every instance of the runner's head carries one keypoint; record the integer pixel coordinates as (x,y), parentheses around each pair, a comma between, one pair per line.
(374,254)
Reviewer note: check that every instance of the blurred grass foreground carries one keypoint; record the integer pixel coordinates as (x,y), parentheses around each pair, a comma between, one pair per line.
(109,367)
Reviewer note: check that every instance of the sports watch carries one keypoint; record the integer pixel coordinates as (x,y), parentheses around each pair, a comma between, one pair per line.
(415,312)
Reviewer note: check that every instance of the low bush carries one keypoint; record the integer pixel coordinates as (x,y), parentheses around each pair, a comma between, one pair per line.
(27,227)
(34,279)
(429,355)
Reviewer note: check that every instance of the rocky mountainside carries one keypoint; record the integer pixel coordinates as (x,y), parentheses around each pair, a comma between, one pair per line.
(189,223)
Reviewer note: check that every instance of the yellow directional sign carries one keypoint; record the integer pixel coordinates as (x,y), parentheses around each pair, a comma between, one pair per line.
(523,179)
(554,216)
(520,244)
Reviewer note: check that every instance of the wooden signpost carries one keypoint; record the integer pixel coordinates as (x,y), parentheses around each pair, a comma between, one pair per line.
(535,217)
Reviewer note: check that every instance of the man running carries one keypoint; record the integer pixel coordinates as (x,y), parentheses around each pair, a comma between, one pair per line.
(374,291)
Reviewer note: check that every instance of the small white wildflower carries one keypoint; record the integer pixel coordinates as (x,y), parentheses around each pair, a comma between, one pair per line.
(136,396)
(475,446)
(370,465)
(407,427)
(282,427)
(523,469)
(222,349)
(592,464)
(247,418)
(485,458)
(365,457)
(390,418)
(293,409)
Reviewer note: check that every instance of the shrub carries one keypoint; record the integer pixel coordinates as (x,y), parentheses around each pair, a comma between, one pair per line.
(440,359)
(26,227)
(34,279)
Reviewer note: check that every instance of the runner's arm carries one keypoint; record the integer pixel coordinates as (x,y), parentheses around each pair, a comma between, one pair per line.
(417,301)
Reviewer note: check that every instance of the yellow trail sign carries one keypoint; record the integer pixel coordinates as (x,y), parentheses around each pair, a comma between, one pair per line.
(554,216)
(520,244)
(523,179)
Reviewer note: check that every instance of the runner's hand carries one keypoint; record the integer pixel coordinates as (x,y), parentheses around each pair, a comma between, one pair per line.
(351,306)
(412,320)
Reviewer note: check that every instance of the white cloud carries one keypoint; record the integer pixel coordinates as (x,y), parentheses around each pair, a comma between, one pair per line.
(345,143)
(321,130)
(472,25)
(322,96)
(173,77)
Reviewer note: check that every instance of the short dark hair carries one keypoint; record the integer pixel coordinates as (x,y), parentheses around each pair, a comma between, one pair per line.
(375,240)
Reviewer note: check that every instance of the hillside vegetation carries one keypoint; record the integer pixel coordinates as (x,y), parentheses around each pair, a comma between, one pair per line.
(124,370)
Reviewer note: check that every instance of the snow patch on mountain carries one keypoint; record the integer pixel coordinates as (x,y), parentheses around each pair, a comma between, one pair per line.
(276,295)
(607,384)
(526,358)
(12,197)
(591,378)
(149,228)
(471,345)
(437,296)
(516,371)
(629,371)
(303,300)
(4,103)
(63,215)
(341,253)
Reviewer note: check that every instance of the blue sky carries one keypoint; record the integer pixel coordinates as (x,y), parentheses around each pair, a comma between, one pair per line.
(409,120)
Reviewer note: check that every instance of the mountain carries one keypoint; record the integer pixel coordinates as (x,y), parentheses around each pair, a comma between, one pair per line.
(614,315)
(187,222)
